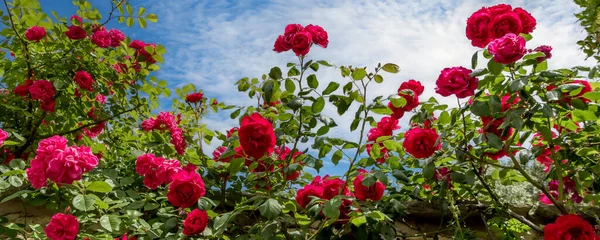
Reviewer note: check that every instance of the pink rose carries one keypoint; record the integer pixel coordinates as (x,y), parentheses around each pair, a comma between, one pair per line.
(42,90)
(508,49)
(477,28)
(3,136)
(456,80)
(116,37)
(62,227)
(301,43)
(101,38)
(319,35)
(505,23)
(84,80)
(35,33)
(148,124)
(76,33)
(137,44)
(101,98)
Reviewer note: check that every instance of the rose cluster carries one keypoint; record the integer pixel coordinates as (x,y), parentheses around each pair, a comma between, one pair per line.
(385,127)
(410,91)
(166,121)
(490,23)
(60,163)
(140,51)
(156,170)
(300,39)
(569,188)
(325,188)
(41,90)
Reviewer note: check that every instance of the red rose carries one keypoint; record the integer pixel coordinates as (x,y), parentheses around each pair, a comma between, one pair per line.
(146,163)
(194,97)
(23,89)
(217,153)
(492,125)
(586,87)
(257,137)
(413,85)
(62,227)
(137,44)
(281,45)
(116,37)
(84,80)
(569,226)
(331,188)
(509,105)
(42,90)
(101,38)
(397,113)
(145,55)
(477,28)
(387,125)
(291,30)
(35,33)
(303,195)
(383,152)
(231,131)
(456,80)
(178,140)
(362,192)
(301,43)
(76,33)
(195,222)
(544,49)
(421,142)
(527,20)
(499,9)
(508,49)
(186,189)
(47,106)
(148,124)
(319,35)
(505,23)
(412,100)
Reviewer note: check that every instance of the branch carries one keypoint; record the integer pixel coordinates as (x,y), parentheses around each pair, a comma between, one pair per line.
(91,124)
(111,12)
(12,24)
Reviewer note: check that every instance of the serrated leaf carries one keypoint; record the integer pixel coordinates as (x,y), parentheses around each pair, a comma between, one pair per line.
(84,203)
(270,208)
(110,222)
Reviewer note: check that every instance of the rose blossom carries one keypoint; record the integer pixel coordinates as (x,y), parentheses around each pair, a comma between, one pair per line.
(281,45)
(505,23)
(84,80)
(116,37)
(76,20)
(527,20)
(195,222)
(421,142)
(62,227)
(456,80)
(301,43)
(42,90)
(569,226)
(508,49)
(546,50)
(413,85)
(303,195)
(3,136)
(75,33)
(387,125)
(23,89)
(101,38)
(477,28)
(362,192)
(397,112)
(194,97)
(257,137)
(319,35)
(35,33)
(186,189)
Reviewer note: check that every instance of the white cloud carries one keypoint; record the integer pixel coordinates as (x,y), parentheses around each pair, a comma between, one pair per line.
(214,43)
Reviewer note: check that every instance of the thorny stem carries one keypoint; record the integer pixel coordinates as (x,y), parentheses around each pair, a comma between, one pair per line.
(112,11)
(299,116)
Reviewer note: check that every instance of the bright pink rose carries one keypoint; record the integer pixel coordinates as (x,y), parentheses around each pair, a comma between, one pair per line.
(68,165)
(257,137)
(421,142)
(499,9)
(76,33)
(116,37)
(570,226)
(477,28)
(35,33)
(3,136)
(543,49)
(62,227)
(303,195)
(36,175)
(101,38)
(148,124)
(508,49)
(413,85)
(456,80)
(397,113)
(387,125)
(527,20)
(84,80)
(281,45)
(146,163)
(218,153)
(362,192)
(194,97)
(186,189)
(42,90)
(505,23)
(101,98)
(301,43)
(195,222)
(178,140)
(319,35)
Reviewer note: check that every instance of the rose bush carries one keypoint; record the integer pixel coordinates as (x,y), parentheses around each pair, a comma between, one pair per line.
(80,104)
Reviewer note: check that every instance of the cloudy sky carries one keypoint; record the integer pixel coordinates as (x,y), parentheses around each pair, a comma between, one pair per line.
(214,43)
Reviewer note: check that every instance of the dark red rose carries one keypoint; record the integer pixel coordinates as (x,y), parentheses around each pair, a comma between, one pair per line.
(42,90)
(101,38)
(508,49)
(412,100)
(48,106)
(186,189)
(505,23)
(137,44)
(319,35)
(116,36)
(76,33)
(413,85)
(543,49)
(421,142)
(499,9)
(62,227)
(303,195)
(35,33)
(76,20)
(257,137)
(301,43)
(456,80)
(281,45)
(527,20)
(23,89)
(362,192)
(569,226)
(397,113)
(84,80)
(195,222)
(194,97)
(492,125)
(387,125)
(477,28)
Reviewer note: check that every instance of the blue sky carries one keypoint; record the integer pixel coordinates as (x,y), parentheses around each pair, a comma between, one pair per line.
(214,43)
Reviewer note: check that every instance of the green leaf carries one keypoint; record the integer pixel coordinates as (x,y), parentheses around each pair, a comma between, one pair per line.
(322,130)
(318,105)
(378,78)
(142,22)
(543,66)
(377,215)
(359,73)
(584,115)
(518,84)
(325,63)
(480,108)
(314,67)
(337,156)
(526,36)
(331,208)
(290,86)
(398,101)
(494,141)
(129,22)
(99,186)
(593,96)
(474,60)
(235,165)
(331,87)
(110,222)
(295,104)
(390,67)
(267,89)
(359,221)
(235,114)
(275,73)
(494,67)
(84,203)
(152,17)
(269,230)
(429,170)
(312,81)
(15,195)
(15,181)
(270,208)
